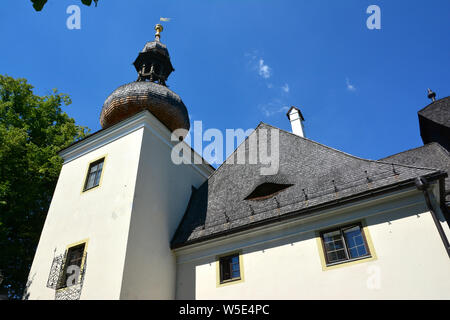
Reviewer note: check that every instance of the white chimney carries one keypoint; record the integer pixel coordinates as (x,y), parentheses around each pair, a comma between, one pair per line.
(296,118)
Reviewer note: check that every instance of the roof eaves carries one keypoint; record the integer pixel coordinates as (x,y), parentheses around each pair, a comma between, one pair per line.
(436,175)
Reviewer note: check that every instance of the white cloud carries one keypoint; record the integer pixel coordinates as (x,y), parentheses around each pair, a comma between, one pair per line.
(257,63)
(264,70)
(272,108)
(277,104)
(252,54)
(350,87)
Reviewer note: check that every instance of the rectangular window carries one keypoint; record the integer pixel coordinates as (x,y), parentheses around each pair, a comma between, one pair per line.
(94,174)
(344,244)
(74,257)
(229,268)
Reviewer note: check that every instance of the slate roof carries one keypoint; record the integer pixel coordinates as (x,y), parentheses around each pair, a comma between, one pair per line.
(431,155)
(319,175)
(434,121)
(438,112)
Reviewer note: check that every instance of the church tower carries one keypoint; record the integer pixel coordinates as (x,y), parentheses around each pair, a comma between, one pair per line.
(120,197)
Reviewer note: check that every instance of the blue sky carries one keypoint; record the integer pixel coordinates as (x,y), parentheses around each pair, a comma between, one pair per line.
(241,62)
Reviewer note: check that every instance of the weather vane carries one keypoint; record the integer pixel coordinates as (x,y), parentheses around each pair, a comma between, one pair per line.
(159,28)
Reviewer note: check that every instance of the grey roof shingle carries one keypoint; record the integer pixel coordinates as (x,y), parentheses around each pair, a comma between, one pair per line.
(438,112)
(431,155)
(319,175)
(434,122)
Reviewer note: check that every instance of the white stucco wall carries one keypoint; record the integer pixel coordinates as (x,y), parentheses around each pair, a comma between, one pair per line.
(283,262)
(101,215)
(128,220)
(163,191)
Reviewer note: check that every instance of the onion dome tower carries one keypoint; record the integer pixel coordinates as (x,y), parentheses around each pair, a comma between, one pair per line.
(149,91)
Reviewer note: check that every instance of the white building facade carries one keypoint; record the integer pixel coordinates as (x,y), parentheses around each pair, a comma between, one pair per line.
(126,222)
(286,261)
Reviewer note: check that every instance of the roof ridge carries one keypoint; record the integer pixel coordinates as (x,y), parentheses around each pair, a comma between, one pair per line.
(351,155)
(416,148)
(404,151)
(320,144)
(261,123)
(328,147)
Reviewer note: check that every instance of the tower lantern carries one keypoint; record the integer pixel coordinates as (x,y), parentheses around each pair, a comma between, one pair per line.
(149,91)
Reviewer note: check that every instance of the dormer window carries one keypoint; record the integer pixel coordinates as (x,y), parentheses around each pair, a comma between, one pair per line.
(267,190)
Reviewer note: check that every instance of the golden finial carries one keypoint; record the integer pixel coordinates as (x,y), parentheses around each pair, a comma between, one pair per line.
(159,28)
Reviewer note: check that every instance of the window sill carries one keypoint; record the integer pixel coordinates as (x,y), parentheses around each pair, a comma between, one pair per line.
(231,281)
(348,262)
(90,189)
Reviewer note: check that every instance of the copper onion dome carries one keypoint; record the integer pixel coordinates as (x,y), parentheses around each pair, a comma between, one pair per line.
(149,91)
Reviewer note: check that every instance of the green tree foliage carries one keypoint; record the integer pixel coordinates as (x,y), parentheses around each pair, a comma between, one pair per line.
(39,4)
(33,129)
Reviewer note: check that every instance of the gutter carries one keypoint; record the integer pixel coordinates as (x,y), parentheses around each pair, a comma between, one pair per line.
(423,185)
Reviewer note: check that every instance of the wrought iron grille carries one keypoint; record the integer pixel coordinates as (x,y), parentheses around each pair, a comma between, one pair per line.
(67,283)
(69,293)
(55,271)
